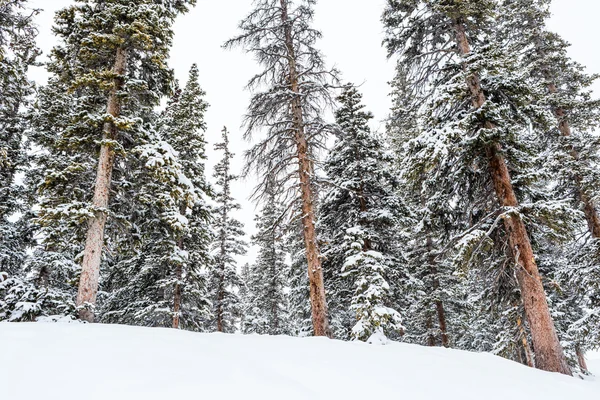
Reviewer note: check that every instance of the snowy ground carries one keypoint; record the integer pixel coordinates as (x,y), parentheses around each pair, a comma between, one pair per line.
(93,362)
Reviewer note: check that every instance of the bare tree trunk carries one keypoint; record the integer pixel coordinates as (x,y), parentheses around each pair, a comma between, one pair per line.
(305,169)
(549,355)
(177,293)
(221,286)
(92,256)
(589,208)
(581,360)
(439,306)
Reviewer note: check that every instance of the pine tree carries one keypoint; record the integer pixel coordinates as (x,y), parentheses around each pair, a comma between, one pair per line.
(161,279)
(228,245)
(18,52)
(458,63)
(359,215)
(569,158)
(268,309)
(289,109)
(115,52)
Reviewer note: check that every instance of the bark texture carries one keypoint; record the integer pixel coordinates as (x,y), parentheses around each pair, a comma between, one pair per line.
(581,359)
(305,169)
(439,305)
(92,257)
(549,355)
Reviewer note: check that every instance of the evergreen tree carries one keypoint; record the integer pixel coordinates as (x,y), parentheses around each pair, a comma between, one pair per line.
(17,53)
(161,279)
(359,216)
(267,280)
(228,244)
(20,297)
(456,60)
(115,54)
(289,109)
(299,296)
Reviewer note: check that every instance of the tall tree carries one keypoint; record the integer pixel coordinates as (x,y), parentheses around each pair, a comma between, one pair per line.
(289,109)
(18,52)
(111,45)
(228,244)
(268,310)
(160,278)
(360,213)
(437,44)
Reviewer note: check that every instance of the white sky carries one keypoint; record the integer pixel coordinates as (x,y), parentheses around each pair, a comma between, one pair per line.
(352,42)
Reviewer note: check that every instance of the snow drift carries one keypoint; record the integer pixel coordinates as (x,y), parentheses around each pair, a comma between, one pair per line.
(93,362)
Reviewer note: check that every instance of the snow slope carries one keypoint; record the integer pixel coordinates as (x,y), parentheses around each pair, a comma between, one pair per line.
(93,362)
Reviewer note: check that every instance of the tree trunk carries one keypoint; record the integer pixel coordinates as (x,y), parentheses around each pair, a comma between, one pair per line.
(439,306)
(178,276)
(549,355)
(305,169)
(92,256)
(589,208)
(581,359)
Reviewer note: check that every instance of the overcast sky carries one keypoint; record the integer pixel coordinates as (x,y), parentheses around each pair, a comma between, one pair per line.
(352,41)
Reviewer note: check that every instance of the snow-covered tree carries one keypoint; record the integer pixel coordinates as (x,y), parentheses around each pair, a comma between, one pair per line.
(360,207)
(112,64)
(18,52)
(476,140)
(267,281)
(161,278)
(228,244)
(292,91)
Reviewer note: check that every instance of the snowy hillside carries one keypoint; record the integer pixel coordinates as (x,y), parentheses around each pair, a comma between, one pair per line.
(93,362)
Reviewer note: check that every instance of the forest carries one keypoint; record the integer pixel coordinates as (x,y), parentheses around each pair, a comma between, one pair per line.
(469,222)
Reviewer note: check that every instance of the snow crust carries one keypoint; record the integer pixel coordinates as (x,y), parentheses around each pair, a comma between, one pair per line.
(79,361)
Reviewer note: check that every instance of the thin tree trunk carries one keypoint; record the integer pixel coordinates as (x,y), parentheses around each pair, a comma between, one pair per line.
(92,256)
(221,282)
(177,295)
(549,355)
(581,359)
(305,169)
(439,305)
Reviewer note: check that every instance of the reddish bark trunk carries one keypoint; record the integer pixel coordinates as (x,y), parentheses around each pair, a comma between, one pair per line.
(305,169)
(549,355)
(92,257)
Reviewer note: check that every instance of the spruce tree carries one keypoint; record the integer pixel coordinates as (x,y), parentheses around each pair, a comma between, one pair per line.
(294,88)
(455,58)
(160,278)
(267,309)
(115,52)
(360,213)
(18,52)
(228,244)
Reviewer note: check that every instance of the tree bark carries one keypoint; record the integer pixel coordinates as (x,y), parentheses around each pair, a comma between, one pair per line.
(92,257)
(549,355)
(581,359)
(525,343)
(305,169)
(439,305)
